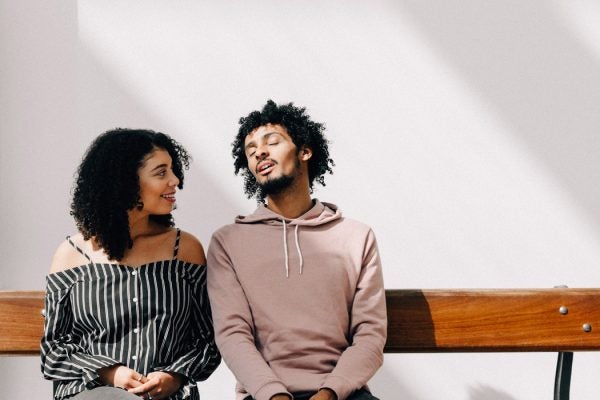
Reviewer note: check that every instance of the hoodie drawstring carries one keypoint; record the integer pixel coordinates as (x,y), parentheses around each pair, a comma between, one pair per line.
(285,250)
(298,249)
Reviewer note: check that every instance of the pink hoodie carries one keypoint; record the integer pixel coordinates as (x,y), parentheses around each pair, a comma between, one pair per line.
(297,304)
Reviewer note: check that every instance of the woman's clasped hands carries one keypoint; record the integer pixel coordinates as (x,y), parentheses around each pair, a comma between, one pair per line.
(156,385)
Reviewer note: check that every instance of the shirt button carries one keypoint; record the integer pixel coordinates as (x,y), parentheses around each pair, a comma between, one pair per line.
(136,330)
(134,357)
(135,299)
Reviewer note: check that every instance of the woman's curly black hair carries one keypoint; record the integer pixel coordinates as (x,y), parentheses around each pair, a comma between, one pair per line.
(301,129)
(107,185)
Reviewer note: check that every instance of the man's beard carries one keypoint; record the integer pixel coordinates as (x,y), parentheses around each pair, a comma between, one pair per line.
(277,185)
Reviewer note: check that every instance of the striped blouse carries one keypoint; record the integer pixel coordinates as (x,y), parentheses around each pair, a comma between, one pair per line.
(155,317)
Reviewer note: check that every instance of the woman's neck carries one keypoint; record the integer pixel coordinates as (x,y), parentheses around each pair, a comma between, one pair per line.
(142,225)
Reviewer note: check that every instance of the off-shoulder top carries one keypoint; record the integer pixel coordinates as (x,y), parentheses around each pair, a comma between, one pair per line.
(155,317)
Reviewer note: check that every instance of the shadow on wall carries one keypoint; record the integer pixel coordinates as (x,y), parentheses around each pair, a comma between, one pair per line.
(488,393)
(103,99)
(124,108)
(20,378)
(409,309)
(206,206)
(522,59)
(386,385)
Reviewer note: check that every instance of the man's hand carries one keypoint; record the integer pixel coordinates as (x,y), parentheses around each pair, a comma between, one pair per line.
(324,394)
(120,376)
(159,385)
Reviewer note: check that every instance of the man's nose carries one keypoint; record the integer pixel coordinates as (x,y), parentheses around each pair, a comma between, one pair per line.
(261,152)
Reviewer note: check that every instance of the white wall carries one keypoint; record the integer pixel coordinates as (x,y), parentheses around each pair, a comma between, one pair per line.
(465,132)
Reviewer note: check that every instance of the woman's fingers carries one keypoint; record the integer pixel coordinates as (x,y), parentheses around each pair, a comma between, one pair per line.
(138,379)
(144,387)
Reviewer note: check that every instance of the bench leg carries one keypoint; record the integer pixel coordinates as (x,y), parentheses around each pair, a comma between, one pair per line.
(562,381)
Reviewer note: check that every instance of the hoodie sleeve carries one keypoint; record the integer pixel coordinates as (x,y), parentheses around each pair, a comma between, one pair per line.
(368,329)
(234,329)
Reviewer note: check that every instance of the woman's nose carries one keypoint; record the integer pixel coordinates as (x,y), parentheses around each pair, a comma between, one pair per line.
(174,181)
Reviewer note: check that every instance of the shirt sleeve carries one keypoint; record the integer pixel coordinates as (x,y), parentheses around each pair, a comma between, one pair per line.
(202,356)
(368,329)
(234,327)
(62,355)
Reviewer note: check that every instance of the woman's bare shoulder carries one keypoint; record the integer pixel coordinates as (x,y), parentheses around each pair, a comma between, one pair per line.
(190,249)
(66,256)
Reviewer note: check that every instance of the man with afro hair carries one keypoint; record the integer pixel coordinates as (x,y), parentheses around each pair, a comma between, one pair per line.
(296,289)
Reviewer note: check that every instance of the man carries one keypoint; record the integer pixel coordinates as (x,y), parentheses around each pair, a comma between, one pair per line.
(296,289)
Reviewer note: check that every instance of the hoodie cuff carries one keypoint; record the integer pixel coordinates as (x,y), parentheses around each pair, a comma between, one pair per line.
(340,386)
(271,389)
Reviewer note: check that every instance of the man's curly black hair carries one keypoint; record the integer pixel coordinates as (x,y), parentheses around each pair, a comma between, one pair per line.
(301,129)
(107,185)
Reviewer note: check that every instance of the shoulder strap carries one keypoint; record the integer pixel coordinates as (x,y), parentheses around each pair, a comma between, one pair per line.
(78,249)
(176,248)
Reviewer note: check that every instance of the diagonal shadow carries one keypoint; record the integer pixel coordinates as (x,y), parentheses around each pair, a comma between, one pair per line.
(203,204)
(208,206)
(101,99)
(525,63)
(488,393)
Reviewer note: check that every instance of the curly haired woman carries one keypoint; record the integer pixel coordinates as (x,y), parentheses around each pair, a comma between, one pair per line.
(127,313)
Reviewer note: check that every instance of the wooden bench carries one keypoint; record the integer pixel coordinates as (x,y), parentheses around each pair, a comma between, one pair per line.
(524,320)
(421,321)
(21,322)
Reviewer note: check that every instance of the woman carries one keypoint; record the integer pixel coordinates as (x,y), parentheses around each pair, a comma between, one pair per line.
(127,314)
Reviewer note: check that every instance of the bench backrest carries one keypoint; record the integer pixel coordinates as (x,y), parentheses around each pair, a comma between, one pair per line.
(493,320)
(21,322)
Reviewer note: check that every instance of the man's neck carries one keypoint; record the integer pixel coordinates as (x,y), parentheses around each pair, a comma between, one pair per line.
(290,205)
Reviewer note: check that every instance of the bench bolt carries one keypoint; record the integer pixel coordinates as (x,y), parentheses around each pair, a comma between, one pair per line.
(564,310)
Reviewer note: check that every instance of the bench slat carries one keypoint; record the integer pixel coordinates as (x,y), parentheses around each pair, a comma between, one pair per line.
(21,322)
(492,320)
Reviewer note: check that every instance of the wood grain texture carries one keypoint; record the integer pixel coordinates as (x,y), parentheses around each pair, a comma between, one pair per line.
(21,322)
(442,320)
(491,320)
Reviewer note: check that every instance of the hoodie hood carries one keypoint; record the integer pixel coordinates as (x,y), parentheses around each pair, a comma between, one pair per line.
(319,214)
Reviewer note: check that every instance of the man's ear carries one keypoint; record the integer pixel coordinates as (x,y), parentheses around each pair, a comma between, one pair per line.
(305,153)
